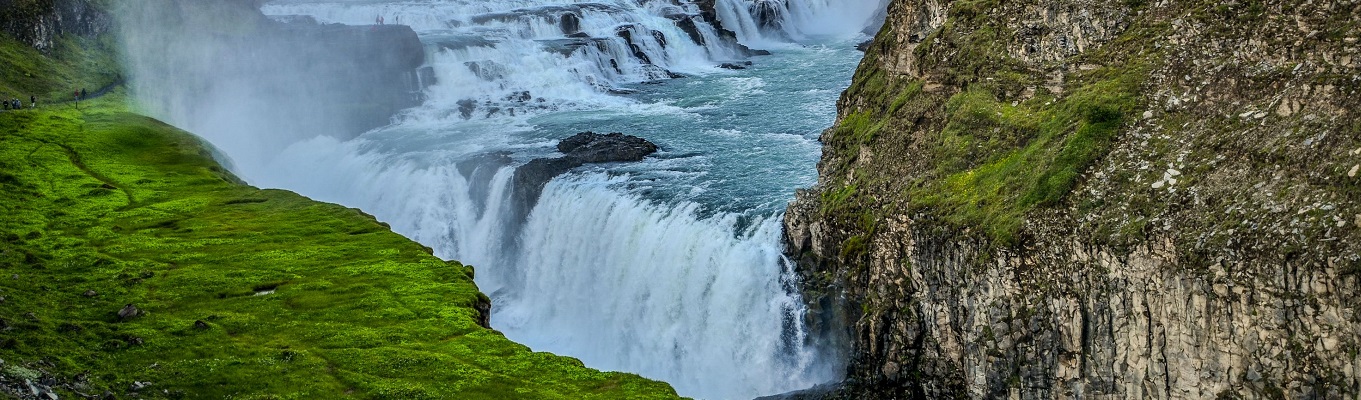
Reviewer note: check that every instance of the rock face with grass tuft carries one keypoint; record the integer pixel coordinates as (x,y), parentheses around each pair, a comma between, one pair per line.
(1093,199)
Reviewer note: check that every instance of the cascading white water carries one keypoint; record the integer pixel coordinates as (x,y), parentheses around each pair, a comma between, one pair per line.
(670,268)
(600,269)
(621,282)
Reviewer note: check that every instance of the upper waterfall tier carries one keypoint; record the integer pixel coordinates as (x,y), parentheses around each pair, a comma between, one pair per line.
(509,58)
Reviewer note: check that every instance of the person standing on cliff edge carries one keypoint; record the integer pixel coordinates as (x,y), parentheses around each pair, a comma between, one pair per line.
(33,101)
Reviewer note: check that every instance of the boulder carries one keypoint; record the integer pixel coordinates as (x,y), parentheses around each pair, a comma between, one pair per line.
(570,23)
(688,26)
(590,147)
(129,311)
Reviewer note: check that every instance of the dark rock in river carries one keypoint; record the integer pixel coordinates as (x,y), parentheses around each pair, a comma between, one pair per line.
(479,171)
(466,108)
(590,147)
(570,24)
(628,34)
(688,25)
(708,12)
(742,65)
(580,149)
(770,17)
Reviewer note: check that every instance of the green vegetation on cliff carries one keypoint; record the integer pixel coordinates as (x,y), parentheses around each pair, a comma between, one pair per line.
(989,155)
(1048,198)
(76,63)
(225,290)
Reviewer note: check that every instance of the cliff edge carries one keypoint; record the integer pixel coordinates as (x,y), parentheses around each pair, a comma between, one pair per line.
(133,265)
(1087,198)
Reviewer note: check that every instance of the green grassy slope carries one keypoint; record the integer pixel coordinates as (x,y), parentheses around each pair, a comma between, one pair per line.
(75,63)
(245,293)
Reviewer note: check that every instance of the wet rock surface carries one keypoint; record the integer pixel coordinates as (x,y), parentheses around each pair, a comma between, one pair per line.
(580,149)
(590,147)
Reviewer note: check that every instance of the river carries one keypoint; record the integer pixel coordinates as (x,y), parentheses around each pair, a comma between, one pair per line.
(670,268)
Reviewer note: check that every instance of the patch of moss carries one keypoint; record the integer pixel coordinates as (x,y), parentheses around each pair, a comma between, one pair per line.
(244,293)
(1032,153)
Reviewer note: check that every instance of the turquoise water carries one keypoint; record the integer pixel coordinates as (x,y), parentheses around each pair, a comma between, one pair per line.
(672,267)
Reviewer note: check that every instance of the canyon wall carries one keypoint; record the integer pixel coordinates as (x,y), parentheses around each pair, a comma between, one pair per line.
(40,23)
(1094,199)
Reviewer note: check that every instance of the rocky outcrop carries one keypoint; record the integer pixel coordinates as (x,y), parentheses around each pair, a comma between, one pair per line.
(580,149)
(708,12)
(40,23)
(591,147)
(1094,199)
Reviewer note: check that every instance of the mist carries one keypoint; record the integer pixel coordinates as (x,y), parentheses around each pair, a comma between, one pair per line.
(252,86)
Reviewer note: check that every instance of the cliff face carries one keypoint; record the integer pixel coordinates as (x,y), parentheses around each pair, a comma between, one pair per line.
(1115,199)
(40,23)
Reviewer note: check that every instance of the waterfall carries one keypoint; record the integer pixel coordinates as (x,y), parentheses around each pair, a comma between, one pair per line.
(530,56)
(701,294)
(671,268)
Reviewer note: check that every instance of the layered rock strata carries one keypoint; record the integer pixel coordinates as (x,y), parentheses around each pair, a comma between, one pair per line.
(1094,199)
(40,24)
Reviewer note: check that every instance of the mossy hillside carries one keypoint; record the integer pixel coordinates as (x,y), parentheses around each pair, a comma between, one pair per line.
(246,293)
(1154,129)
(76,63)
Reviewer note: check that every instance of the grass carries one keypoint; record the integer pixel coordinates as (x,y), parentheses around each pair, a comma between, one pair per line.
(76,63)
(246,293)
(1032,153)
(982,157)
